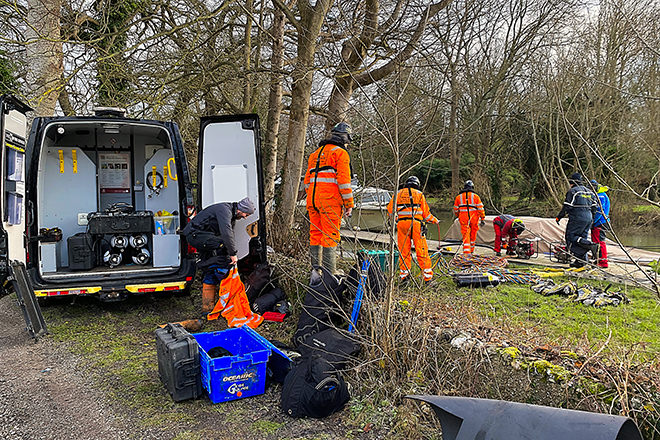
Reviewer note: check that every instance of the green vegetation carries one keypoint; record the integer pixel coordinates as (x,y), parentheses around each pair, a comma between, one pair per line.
(646,209)
(633,326)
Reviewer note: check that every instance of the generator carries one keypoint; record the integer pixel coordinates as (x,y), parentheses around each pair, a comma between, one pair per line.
(525,249)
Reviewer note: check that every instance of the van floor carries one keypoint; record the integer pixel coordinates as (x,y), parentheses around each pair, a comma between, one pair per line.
(103,270)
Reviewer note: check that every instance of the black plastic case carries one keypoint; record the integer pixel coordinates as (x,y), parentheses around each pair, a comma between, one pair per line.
(81,251)
(178,362)
(120,223)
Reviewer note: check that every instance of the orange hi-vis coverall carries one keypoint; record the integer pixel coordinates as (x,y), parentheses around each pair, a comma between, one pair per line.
(469,210)
(412,210)
(233,304)
(328,186)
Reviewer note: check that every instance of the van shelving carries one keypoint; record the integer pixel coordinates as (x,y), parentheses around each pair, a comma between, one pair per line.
(126,176)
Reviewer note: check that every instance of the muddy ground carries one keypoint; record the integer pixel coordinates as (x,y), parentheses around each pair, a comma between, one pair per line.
(95,377)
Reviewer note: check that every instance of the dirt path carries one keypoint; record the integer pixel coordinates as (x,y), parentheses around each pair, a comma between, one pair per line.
(42,396)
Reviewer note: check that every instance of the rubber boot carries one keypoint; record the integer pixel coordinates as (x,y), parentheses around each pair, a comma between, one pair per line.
(208,297)
(315,255)
(330,259)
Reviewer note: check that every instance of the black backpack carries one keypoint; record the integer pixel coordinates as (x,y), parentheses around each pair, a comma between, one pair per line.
(313,388)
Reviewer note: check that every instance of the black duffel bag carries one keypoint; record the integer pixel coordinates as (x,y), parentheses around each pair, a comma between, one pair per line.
(335,346)
(321,305)
(313,388)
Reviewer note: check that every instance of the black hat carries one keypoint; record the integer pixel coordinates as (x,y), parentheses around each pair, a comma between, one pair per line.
(575,179)
(469,185)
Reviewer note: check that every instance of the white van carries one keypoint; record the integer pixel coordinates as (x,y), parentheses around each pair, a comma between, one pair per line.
(91,205)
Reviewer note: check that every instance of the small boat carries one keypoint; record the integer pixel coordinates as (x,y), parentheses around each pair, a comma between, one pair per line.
(370,212)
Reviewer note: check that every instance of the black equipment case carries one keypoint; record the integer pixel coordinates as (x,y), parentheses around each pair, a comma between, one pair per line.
(120,222)
(178,362)
(81,251)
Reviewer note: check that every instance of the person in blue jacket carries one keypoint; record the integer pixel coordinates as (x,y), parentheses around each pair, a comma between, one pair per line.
(601,221)
(580,207)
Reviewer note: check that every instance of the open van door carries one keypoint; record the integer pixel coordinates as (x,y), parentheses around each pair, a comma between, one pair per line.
(229,170)
(13,128)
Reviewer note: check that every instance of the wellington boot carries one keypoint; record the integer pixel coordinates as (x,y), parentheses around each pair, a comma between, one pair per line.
(315,255)
(192,325)
(209,292)
(330,259)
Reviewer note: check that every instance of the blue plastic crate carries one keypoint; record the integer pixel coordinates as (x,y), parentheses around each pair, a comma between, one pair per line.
(234,377)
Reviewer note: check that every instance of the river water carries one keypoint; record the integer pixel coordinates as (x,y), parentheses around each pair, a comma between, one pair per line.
(374,221)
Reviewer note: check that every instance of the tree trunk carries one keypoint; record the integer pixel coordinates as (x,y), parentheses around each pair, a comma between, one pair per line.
(309,28)
(247,55)
(274,105)
(455,153)
(44,55)
(299,114)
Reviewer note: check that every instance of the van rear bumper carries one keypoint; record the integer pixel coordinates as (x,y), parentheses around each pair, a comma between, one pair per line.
(115,289)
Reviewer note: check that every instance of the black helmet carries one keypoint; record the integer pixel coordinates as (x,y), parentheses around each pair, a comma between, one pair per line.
(469,185)
(575,179)
(414,182)
(343,129)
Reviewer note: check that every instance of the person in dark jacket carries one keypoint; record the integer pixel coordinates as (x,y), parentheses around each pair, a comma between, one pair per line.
(507,229)
(601,222)
(211,232)
(580,206)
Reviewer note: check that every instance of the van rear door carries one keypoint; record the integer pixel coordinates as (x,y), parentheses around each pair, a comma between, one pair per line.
(13,128)
(229,169)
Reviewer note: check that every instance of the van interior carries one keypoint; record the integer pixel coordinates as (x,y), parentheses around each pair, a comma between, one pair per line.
(111,188)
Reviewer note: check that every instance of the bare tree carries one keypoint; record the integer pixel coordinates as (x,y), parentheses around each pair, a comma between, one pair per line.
(44,55)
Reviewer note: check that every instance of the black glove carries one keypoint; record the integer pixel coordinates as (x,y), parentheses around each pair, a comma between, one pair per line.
(483,223)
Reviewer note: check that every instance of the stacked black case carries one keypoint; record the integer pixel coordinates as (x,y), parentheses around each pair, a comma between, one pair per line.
(178,362)
(81,251)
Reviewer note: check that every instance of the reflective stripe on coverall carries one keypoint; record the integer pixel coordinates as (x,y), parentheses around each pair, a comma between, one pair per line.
(412,210)
(469,210)
(328,186)
(233,304)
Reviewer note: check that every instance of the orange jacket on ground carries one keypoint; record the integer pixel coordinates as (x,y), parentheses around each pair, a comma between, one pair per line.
(411,203)
(233,304)
(467,204)
(328,178)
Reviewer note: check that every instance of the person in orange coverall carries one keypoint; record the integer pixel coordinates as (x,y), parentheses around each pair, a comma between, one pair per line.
(469,210)
(411,212)
(328,186)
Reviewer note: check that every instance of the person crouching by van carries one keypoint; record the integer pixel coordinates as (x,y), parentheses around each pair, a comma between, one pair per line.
(412,212)
(211,232)
(507,229)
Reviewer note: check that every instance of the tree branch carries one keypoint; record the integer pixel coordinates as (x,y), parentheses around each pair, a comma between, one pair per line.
(289,15)
(381,72)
